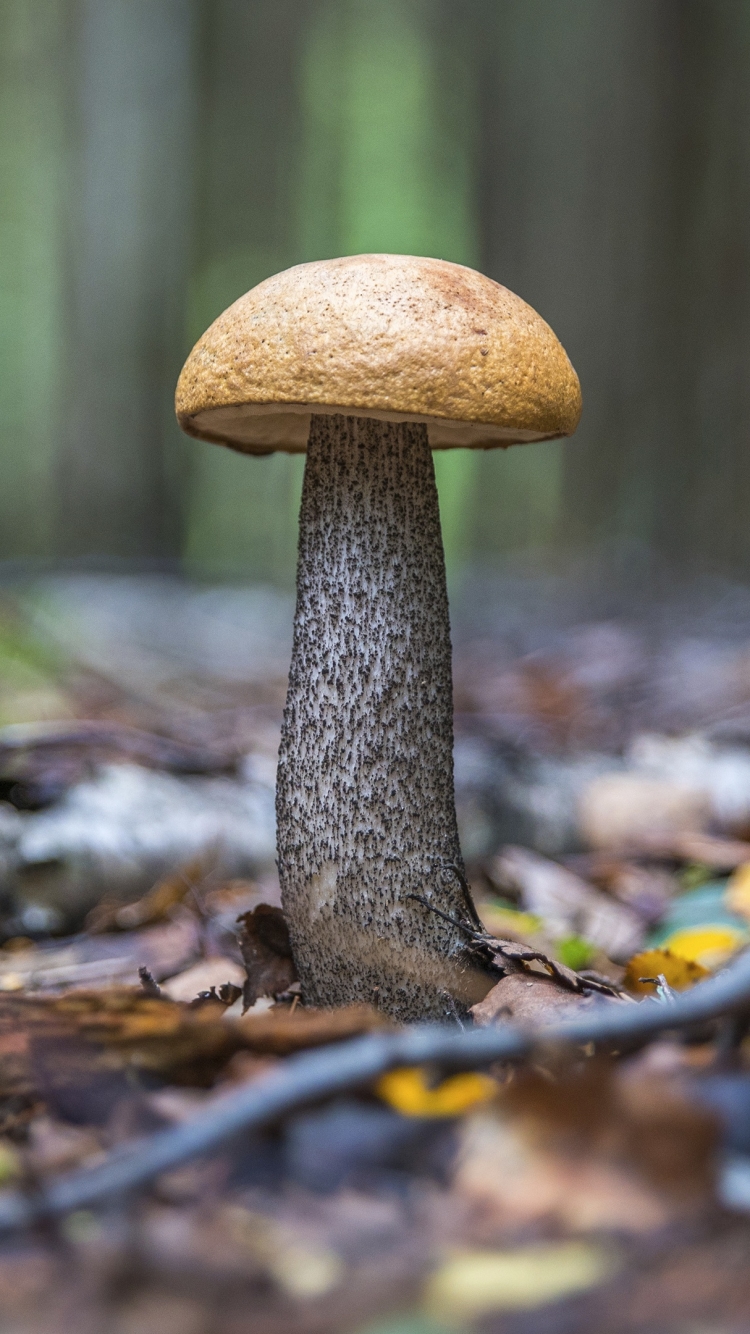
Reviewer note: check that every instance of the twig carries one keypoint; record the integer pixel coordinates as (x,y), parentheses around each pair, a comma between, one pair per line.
(148,982)
(502,953)
(322,1073)
(454,921)
(149,747)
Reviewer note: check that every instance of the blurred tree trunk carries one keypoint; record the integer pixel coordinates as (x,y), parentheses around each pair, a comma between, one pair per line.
(593,156)
(702,474)
(33,50)
(568,182)
(242,512)
(130,214)
(615,197)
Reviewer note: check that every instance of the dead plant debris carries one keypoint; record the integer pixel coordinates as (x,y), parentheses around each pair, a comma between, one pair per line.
(599,1182)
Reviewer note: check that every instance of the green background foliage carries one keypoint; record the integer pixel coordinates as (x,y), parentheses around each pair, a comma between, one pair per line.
(159,157)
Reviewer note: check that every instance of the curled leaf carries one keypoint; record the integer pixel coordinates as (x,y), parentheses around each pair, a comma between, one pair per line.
(266,953)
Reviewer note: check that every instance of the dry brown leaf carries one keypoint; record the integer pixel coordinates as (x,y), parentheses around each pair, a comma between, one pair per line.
(600,1147)
(720,854)
(677,973)
(266,953)
(567,905)
(94,961)
(83,1051)
(620,1114)
(647,889)
(202,977)
(528,1000)
(622,811)
(519,1179)
(282,1030)
(707,850)
(515,957)
(153,907)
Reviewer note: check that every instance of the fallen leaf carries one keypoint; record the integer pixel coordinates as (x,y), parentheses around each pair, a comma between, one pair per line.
(506,1171)
(628,811)
(678,972)
(306,1272)
(475,1283)
(721,854)
(10,1164)
(93,961)
(624,1113)
(202,977)
(646,889)
(699,925)
(707,945)
(575,952)
(737,896)
(568,905)
(82,1051)
(600,1145)
(281,1031)
(409,1091)
(266,953)
(527,946)
(689,846)
(528,1000)
(153,907)
(509,922)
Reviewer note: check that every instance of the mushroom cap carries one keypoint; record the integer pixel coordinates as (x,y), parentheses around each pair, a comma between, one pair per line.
(397,337)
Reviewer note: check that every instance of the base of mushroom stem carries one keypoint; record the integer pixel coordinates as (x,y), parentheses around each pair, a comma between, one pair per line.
(453,986)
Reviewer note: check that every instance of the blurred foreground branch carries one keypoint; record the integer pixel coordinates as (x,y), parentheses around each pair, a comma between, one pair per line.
(319,1074)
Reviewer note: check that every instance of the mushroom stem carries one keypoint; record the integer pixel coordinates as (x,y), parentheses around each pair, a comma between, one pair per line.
(365,803)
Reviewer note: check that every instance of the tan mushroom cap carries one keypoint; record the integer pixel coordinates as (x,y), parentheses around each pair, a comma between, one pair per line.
(391,336)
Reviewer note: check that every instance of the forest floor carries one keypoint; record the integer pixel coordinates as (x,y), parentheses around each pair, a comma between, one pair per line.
(186,1147)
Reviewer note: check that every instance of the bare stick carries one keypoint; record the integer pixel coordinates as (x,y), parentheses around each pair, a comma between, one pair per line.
(319,1074)
(92,734)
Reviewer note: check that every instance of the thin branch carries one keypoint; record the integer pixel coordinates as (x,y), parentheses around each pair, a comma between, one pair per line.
(322,1073)
(454,921)
(162,751)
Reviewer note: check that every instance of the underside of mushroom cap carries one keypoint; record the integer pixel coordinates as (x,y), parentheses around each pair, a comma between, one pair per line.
(395,337)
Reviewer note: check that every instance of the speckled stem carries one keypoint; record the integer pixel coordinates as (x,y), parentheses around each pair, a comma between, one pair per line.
(365,804)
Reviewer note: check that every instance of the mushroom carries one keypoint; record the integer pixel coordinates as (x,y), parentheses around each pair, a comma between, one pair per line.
(368,363)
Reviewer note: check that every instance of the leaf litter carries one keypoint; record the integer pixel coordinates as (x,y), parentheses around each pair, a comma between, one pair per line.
(586,1185)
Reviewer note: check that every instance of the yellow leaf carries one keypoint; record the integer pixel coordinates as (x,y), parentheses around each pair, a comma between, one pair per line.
(10,1165)
(737,896)
(678,972)
(475,1283)
(306,1271)
(708,945)
(408,1091)
(505,922)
